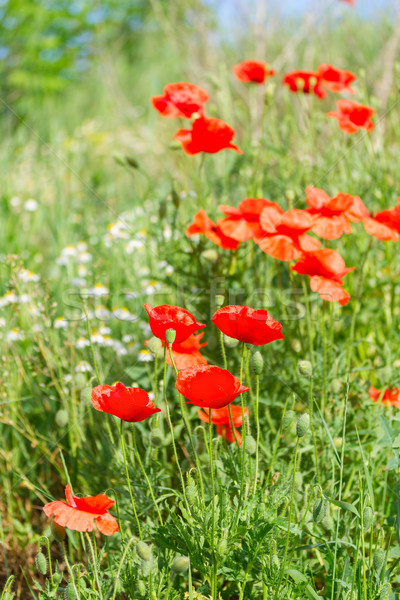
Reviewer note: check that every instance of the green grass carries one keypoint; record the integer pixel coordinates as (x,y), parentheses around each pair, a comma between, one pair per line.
(68,153)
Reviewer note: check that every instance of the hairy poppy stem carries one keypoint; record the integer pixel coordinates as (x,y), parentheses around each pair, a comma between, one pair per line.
(127,477)
(258,430)
(214,573)
(313,432)
(278,438)
(94,561)
(144,473)
(221,340)
(309,324)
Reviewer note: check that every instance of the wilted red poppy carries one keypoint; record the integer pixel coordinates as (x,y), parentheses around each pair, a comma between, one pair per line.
(79,514)
(252,71)
(385,225)
(326,268)
(336,80)
(304,81)
(220,418)
(202,224)
(243,223)
(247,324)
(390,396)
(352,116)
(186,354)
(332,216)
(167,316)
(208,386)
(180,100)
(207,135)
(283,233)
(129,404)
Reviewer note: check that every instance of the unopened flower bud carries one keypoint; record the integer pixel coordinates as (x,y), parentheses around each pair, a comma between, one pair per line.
(58,531)
(275,564)
(70,593)
(61,417)
(336,386)
(143,551)
(319,510)
(156,437)
(170,336)
(86,395)
(180,564)
(304,368)
(145,567)
(230,342)
(298,480)
(251,445)
(378,559)
(368,518)
(41,563)
(80,381)
(257,363)
(210,255)
(338,441)
(296,345)
(155,346)
(222,547)
(327,523)
(219,300)
(288,419)
(302,425)
(141,586)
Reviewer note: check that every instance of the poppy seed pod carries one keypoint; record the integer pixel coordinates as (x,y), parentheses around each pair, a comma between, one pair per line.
(180,564)
(288,419)
(143,551)
(41,563)
(154,345)
(303,424)
(378,559)
(319,510)
(230,342)
(368,518)
(304,368)
(251,445)
(156,437)
(257,362)
(170,336)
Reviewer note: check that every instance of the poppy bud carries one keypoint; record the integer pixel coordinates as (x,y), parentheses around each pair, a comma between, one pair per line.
(180,564)
(327,523)
(80,381)
(162,210)
(304,368)
(86,394)
(155,346)
(257,362)
(338,441)
(368,518)
(70,593)
(319,510)
(336,386)
(143,551)
(378,559)
(210,255)
(145,567)
(156,437)
(298,480)
(275,564)
(41,563)
(141,586)
(230,342)
(61,418)
(296,345)
(290,195)
(251,445)
(58,531)
(170,336)
(175,198)
(219,300)
(222,547)
(302,425)
(288,419)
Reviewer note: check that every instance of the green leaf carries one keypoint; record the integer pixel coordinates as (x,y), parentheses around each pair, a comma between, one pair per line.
(296,575)
(312,594)
(344,505)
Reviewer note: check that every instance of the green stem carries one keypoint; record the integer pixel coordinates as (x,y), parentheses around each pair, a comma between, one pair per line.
(278,437)
(258,430)
(144,473)
(312,431)
(99,379)
(94,561)
(214,573)
(128,478)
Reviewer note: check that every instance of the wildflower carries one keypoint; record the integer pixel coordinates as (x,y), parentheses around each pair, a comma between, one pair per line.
(390,396)
(208,386)
(27,276)
(15,335)
(8,298)
(385,225)
(83,367)
(98,290)
(326,268)
(252,71)
(79,514)
(31,205)
(332,216)
(243,223)
(202,224)
(164,317)
(247,325)
(304,81)
(207,135)
(129,404)
(220,418)
(123,314)
(180,100)
(336,80)
(283,233)
(352,116)
(81,343)
(145,356)
(187,354)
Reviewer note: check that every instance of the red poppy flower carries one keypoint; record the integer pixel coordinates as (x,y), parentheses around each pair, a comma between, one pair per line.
(283,233)
(252,71)
(247,325)
(180,100)
(333,215)
(352,116)
(208,386)
(202,224)
(390,396)
(79,514)
(351,2)
(207,135)
(243,223)
(166,317)
(220,418)
(336,80)
(385,225)
(129,404)
(186,354)
(304,81)
(326,268)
